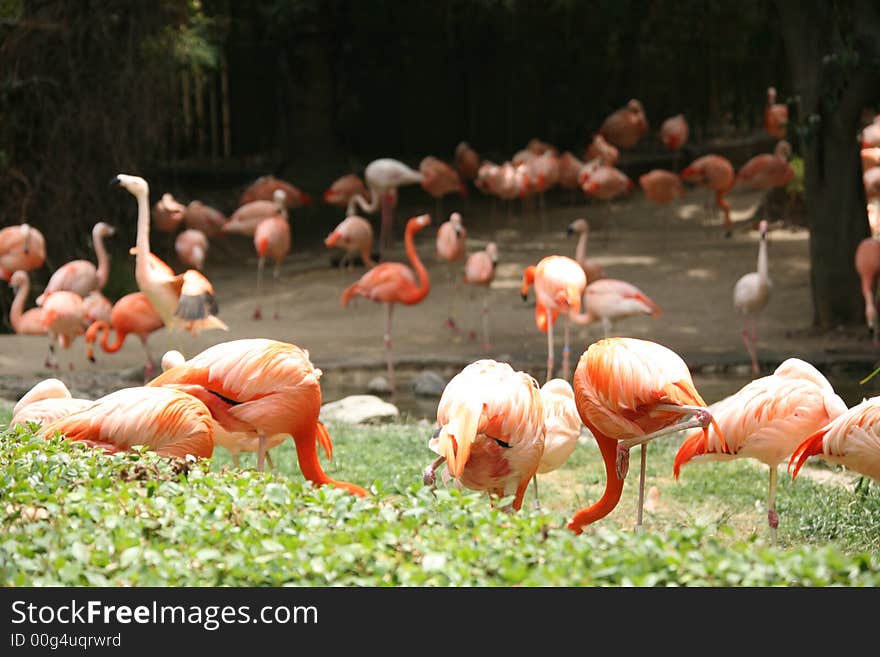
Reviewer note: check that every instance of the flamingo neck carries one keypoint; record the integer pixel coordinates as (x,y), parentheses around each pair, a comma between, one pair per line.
(367,258)
(142,242)
(17,309)
(762,260)
(103,271)
(613,486)
(358,200)
(580,252)
(105,339)
(421,290)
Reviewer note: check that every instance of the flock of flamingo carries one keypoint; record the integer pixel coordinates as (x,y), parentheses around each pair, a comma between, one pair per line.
(496,428)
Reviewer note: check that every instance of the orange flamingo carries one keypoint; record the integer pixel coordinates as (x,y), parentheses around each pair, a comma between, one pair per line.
(467,161)
(559,285)
(870,157)
(661,186)
(766,420)
(24,322)
(479,271)
(867,263)
(271,240)
(625,126)
(21,247)
(96,307)
(562,427)
(775,115)
(262,386)
(170,422)
(609,299)
(191,246)
(82,276)
(852,440)
(64,320)
(354,235)
(183,301)
(204,218)
(750,295)
(767,170)
(393,282)
(339,193)
(440,179)
(490,430)
(452,248)
(132,313)
(47,401)
(247,217)
(264,188)
(607,183)
(715,172)
(592,269)
(629,392)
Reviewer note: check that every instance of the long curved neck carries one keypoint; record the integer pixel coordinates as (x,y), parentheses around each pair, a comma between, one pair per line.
(105,339)
(419,292)
(763,274)
(613,487)
(366,206)
(103,271)
(367,257)
(142,256)
(17,309)
(580,251)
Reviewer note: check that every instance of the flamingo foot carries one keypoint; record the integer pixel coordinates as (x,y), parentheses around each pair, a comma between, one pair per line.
(429,476)
(258,314)
(622,461)
(773,519)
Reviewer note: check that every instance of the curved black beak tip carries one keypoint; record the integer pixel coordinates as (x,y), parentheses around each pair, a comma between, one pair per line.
(525,297)
(91,359)
(569,231)
(114,182)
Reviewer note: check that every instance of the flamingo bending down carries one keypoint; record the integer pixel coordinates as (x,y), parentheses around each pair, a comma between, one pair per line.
(609,299)
(629,392)
(766,420)
(661,186)
(867,262)
(451,248)
(167,213)
(562,427)
(393,282)
(96,307)
(82,276)
(490,430)
(132,313)
(592,269)
(64,320)
(22,247)
(852,440)
(440,179)
(479,271)
(383,177)
(264,188)
(265,387)
(191,246)
(716,173)
(339,193)
(201,217)
(467,161)
(48,400)
(271,240)
(182,301)
(559,285)
(24,322)
(354,235)
(750,296)
(601,151)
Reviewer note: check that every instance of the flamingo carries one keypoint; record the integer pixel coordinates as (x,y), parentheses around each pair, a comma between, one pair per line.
(263,386)
(867,263)
(467,161)
(609,299)
(592,269)
(569,170)
(629,392)
(63,320)
(490,430)
(440,179)
(767,170)
(264,188)
(21,247)
(625,126)
(562,427)
(24,322)
(852,440)
(674,132)
(354,235)
(82,276)
(132,313)
(479,271)
(247,217)
(167,213)
(191,246)
(46,401)
(715,172)
(383,177)
(393,282)
(96,307)
(271,240)
(871,181)
(204,218)
(766,420)
(599,149)
(186,300)
(451,248)
(168,421)
(606,183)
(343,188)
(559,285)
(870,157)
(661,186)
(775,115)
(870,134)
(750,295)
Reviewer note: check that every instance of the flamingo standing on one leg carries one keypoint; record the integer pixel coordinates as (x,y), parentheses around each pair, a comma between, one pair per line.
(262,386)
(183,301)
(750,296)
(592,269)
(479,271)
(354,235)
(490,430)
(609,299)
(715,172)
(24,322)
(867,262)
(264,188)
(64,320)
(393,282)
(82,276)
(629,392)
(47,401)
(451,248)
(766,420)
(559,285)
(132,313)
(271,240)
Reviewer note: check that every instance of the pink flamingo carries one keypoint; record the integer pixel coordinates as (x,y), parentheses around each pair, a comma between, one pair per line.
(167,214)
(592,269)
(354,235)
(750,296)
(343,188)
(202,217)
(96,307)
(674,132)
(247,217)
(599,149)
(625,126)
(451,248)
(24,322)
(467,161)
(661,186)
(609,299)
(775,115)
(867,262)
(82,276)
(22,247)
(767,170)
(715,172)
(479,271)
(64,320)
(271,240)
(191,246)
(264,188)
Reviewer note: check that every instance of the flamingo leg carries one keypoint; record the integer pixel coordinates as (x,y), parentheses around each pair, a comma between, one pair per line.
(258,313)
(429,478)
(450,320)
(486,344)
(149,366)
(388,308)
(549,345)
(565,350)
(642,470)
(753,354)
(269,461)
(276,276)
(772,516)
(535,484)
(261,452)
(235,461)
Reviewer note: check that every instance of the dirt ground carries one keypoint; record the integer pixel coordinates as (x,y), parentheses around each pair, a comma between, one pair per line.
(676,254)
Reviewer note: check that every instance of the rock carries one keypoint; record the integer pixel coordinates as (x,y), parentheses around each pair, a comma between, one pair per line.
(358,409)
(379,386)
(429,384)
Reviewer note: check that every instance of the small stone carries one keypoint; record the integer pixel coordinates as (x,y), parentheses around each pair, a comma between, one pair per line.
(359,409)
(429,384)
(379,386)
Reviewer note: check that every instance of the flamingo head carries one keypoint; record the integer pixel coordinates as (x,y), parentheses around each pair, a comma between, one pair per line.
(492,251)
(18,279)
(135,185)
(419,222)
(762,228)
(103,229)
(577,226)
(527,281)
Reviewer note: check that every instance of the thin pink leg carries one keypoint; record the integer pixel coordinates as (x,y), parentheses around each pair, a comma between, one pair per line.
(565,350)
(258,313)
(388,308)
(549,345)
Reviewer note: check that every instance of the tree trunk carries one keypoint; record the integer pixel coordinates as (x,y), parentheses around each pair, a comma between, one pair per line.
(831,95)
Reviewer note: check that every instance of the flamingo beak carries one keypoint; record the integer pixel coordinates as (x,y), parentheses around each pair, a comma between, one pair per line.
(456,449)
